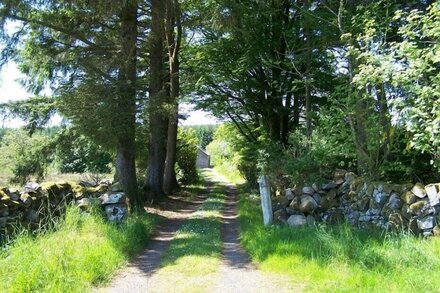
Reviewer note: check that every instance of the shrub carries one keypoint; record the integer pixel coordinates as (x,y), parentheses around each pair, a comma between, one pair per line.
(187,156)
(78,154)
(26,155)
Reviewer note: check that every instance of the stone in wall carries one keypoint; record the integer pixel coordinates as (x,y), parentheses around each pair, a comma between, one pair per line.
(112,198)
(116,212)
(36,202)
(297,220)
(432,192)
(419,190)
(403,207)
(307,204)
(114,205)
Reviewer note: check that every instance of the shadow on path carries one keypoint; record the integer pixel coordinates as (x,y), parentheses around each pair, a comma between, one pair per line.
(233,254)
(135,277)
(237,272)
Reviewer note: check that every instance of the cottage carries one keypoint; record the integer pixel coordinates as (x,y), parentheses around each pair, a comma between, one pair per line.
(203,159)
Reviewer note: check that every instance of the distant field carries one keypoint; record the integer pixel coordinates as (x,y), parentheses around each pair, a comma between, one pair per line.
(54,177)
(76,177)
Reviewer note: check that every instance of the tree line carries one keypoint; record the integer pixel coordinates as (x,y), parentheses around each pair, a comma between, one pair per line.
(106,63)
(317,85)
(360,77)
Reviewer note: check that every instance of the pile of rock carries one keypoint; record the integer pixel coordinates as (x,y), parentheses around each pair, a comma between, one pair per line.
(36,203)
(389,206)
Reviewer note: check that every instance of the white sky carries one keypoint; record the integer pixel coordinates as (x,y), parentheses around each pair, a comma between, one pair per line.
(196,117)
(11,90)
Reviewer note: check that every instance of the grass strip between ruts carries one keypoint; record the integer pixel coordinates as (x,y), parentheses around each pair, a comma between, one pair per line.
(194,255)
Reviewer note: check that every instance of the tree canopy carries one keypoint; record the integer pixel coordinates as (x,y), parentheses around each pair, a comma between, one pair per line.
(334,83)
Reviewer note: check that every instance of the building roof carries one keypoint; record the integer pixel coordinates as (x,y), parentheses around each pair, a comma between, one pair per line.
(202,150)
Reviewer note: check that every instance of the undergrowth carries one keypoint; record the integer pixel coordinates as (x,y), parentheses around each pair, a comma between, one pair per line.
(341,258)
(83,250)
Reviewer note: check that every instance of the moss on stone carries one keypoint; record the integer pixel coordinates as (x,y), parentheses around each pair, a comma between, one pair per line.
(3,195)
(357,184)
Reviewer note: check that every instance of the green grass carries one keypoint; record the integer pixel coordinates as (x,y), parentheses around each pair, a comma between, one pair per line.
(194,254)
(84,250)
(341,258)
(230,172)
(198,240)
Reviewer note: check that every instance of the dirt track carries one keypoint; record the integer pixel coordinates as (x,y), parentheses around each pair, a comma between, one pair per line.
(235,274)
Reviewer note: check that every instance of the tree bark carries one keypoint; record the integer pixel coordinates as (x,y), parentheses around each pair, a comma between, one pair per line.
(285,123)
(358,123)
(126,171)
(361,136)
(173,41)
(385,121)
(308,97)
(125,128)
(275,96)
(308,110)
(158,121)
(274,125)
(296,110)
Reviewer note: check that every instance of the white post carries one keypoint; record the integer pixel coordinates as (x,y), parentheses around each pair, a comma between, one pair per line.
(266,203)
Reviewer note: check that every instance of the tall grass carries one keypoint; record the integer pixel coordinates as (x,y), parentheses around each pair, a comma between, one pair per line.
(84,250)
(341,258)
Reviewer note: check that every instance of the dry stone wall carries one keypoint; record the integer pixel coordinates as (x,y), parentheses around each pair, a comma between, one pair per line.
(401,207)
(35,204)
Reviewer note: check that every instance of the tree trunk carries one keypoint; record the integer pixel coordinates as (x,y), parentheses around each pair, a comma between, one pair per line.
(173,42)
(308,97)
(276,92)
(385,121)
(285,123)
(170,181)
(157,113)
(274,126)
(296,110)
(359,126)
(126,171)
(361,136)
(308,110)
(125,128)
(357,120)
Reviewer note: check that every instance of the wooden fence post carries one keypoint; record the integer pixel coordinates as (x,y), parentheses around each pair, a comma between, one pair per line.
(266,203)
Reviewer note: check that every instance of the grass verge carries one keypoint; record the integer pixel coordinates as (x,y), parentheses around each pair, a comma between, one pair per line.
(341,258)
(84,250)
(230,173)
(194,255)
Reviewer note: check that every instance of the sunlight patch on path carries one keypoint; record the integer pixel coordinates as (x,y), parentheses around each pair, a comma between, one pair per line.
(237,273)
(192,262)
(202,253)
(135,277)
